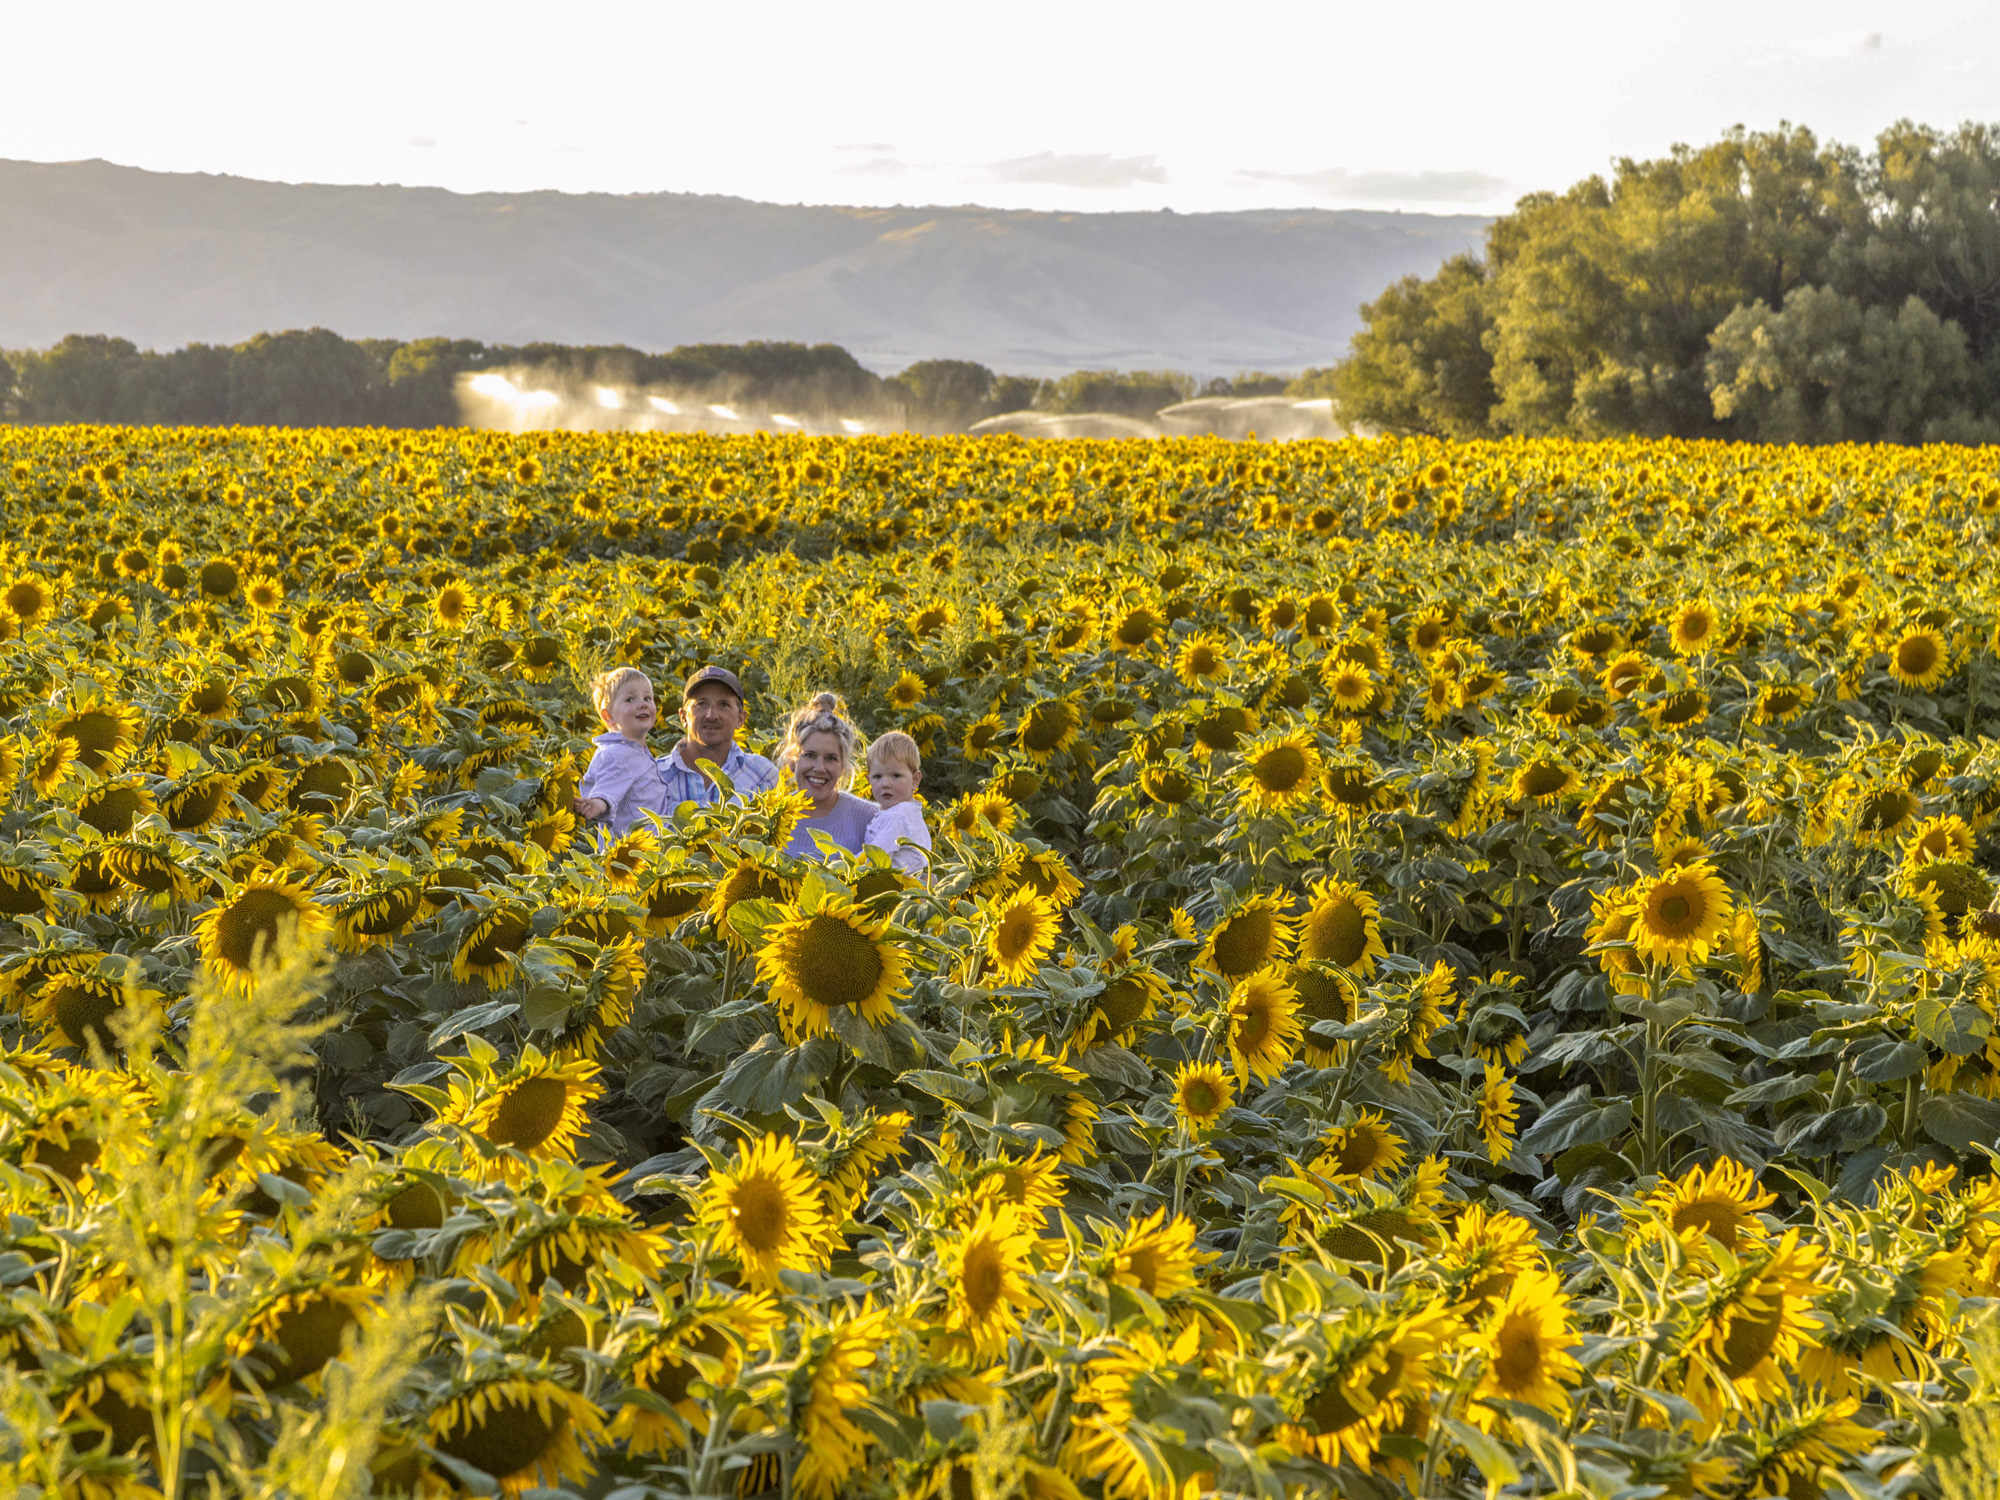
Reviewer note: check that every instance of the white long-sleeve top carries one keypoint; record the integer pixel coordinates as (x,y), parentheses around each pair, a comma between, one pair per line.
(890,826)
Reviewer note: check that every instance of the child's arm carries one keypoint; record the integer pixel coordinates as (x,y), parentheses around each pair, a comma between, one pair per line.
(613,773)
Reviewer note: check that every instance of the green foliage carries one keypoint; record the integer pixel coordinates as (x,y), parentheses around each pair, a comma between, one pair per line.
(1135,393)
(1669,301)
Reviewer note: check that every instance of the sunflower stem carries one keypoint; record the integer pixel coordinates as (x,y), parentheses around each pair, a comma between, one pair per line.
(1908,1135)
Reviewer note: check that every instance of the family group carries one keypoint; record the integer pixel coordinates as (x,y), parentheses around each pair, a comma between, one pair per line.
(626,781)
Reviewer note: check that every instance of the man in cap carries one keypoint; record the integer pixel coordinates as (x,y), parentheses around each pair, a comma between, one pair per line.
(708,762)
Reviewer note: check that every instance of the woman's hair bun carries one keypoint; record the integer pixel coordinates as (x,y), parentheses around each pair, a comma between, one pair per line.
(825,703)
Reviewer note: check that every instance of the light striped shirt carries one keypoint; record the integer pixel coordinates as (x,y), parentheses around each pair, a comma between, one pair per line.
(749,773)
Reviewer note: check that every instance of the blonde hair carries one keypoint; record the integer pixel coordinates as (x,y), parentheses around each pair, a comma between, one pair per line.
(823,714)
(898,749)
(605,685)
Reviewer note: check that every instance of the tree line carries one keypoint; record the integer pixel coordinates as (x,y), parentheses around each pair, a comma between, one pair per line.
(1766,287)
(314,377)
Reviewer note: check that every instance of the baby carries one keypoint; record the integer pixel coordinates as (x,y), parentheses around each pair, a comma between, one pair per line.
(895,771)
(622,783)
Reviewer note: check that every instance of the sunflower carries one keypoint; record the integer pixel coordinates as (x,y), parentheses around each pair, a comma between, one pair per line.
(1033,1183)
(834,957)
(1953,886)
(1024,930)
(1350,685)
(49,761)
(1134,629)
(1129,997)
(453,607)
(264,594)
(849,1167)
(1525,1348)
(1753,1325)
(487,950)
(1350,786)
(908,690)
(1201,659)
(199,802)
(1624,675)
(1717,1203)
(832,1360)
(522,1430)
(1202,1092)
(1043,872)
(980,736)
(1222,728)
(985,1266)
(1047,729)
(1155,1256)
(375,917)
(1884,810)
(297,1332)
(611,978)
(113,807)
(1263,1025)
(1920,658)
(747,881)
(105,732)
(1693,628)
(1484,1256)
(242,932)
(1544,781)
(1254,936)
(538,1106)
(1496,1114)
(1279,772)
(1411,1016)
(1375,1374)
(1790,1448)
(1780,703)
(1678,914)
(1365,1148)
(766,1211)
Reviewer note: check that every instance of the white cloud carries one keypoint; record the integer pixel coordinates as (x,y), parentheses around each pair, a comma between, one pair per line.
(1099,170)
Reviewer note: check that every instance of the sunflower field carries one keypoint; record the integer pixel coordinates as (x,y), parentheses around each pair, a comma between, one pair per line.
(1448,971)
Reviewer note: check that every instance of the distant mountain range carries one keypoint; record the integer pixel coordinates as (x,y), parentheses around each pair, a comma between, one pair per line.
(171,258)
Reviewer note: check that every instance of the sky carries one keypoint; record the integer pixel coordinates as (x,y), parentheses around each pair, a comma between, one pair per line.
(1420,105)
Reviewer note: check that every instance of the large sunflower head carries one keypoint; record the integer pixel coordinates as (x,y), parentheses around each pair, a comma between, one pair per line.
(1263,1024)
(488,947)
(1047,728)
(523,1430)
(1678,915)
(1343,927)
(835,957)
(1025,925)
(1919,658)
(1525,1343)
(375,917)
(106,732)
(1367,1147)
(1753,1325)
(1255,935)
(1279,771)
(537,1106)
(986,1265)
(1718,1202)
(766,1211)
(243,931)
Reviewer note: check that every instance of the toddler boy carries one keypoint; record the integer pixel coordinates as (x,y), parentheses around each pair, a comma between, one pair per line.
(895,771)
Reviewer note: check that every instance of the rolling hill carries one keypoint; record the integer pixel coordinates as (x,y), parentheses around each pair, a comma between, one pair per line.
(171,258)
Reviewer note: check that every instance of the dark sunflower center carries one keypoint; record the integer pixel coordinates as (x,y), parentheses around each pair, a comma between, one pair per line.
(983,1278)
(1199,1097)
(833,965)
(529,1114)
(1245,943)
(511,1436)
(1518,1356)
(1337,934)
(761,1214)
(250,923)
(1753,1334)
(1281,768)
(1713,1218)
(1675,910)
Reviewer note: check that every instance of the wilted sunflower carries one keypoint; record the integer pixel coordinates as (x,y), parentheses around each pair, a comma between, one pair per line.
(766,1212)
(835,957)
(1254,935)
(242,931)
(1497,1114)
(1678,915)
(1024,929)
(523,1430)
(1263,1025)
(1525,1345)
(1202,1092)
(1280,771)
(985,1265)
(1920,658)
(375,917)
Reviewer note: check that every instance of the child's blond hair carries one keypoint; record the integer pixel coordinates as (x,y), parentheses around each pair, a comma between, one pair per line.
(898,749)
(605,685)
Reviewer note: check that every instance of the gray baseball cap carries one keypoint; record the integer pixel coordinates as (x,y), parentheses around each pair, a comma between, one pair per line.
(714,674)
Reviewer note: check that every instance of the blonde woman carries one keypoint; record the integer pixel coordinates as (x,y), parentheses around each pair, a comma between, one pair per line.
(819,753)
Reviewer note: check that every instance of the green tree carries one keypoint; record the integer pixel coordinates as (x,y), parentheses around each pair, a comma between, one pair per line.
(1828,370)
(1420,364)
(301,379)
(945,395)
(1135,393)
(1015,393)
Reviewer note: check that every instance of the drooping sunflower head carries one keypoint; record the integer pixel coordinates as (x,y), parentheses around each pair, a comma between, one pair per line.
(1047,728)
(1155,1256)
(524,1430)
(1544,780)
(1882,811)
(487,949)
(243,931)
